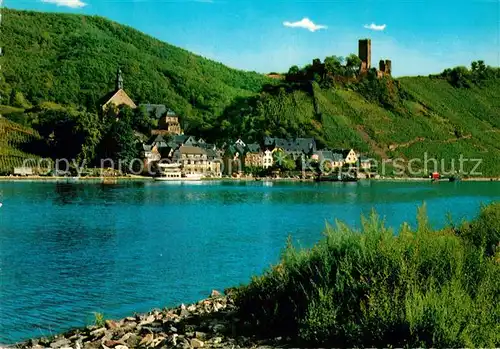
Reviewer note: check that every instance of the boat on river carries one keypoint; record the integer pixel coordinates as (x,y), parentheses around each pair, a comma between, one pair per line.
(179,177)
(173,173)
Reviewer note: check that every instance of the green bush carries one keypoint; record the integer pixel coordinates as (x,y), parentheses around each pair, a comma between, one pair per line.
(374,288)
(484,232)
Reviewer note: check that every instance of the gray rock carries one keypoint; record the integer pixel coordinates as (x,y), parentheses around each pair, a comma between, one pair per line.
(110,324)
(173,339)
(215,294)
(98,333)
(218,328)
(200,335)
(59,343)
(196,343)
(133,341)
(217,340)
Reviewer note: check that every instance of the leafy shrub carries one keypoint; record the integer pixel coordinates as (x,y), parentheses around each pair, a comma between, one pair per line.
(484,232)
(99,319)
(374,288)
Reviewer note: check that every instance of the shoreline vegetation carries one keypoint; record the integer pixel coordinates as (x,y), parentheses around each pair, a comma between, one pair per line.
(368,288)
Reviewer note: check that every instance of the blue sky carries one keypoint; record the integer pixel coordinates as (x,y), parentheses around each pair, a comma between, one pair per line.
(420,36)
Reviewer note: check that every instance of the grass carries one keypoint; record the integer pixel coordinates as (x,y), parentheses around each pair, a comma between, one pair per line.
(99,319)
(417,288)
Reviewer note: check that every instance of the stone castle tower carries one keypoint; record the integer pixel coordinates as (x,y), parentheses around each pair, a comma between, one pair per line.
(385,67)
(365,54)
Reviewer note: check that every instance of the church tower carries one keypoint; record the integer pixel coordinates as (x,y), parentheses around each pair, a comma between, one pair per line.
(118,97)
(119,80)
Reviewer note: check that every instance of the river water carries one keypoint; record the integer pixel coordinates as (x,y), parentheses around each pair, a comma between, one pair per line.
(69,250)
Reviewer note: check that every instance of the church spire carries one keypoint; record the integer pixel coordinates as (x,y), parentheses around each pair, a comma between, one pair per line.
(119,80)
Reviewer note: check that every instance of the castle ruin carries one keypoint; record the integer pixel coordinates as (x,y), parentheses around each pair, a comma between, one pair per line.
(365,54)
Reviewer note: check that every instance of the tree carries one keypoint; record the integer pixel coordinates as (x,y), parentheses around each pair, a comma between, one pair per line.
(353,64)
(142,121)
(119,141)
(69,134)
(294,70)
(333,65)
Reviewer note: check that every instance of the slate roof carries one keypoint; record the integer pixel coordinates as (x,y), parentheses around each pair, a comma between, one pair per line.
(191,141)
(239,149)
(188,149)
(157,110)
(235,148)
(338,157)
(344,152)
(157,140)
(253,148)
(180,139)
(298,145)
(206,145)
(324,154)
(211,154)
(268,141)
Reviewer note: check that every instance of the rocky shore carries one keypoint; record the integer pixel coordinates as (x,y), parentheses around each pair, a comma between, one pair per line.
(209,323)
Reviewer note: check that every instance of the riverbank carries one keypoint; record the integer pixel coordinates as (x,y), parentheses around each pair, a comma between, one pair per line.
(132,178)
(74,179)
(209,323)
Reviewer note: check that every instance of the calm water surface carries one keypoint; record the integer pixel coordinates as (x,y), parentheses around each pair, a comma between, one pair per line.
(68,250)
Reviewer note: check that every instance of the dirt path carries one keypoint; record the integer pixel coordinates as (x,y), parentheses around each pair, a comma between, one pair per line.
(373,145)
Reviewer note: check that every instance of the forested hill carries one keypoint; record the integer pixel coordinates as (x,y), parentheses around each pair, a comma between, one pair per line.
(72,59)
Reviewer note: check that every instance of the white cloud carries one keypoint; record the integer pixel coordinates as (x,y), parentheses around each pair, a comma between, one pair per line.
(375,27)
(68,3)
(305,23)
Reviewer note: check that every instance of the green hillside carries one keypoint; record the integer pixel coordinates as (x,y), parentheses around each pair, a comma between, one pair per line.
(434,118)
(71,60)
(14,145)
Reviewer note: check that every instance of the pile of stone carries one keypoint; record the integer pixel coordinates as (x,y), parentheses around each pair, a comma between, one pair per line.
(210,323)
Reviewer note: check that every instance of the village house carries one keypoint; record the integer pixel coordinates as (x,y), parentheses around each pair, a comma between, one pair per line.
(296,148)
(169,122)
(240,143)
(350,157)
(193,160)
(335,160)
(213,163)
(254,157)
(267,158)
(365,164)
(150,155)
